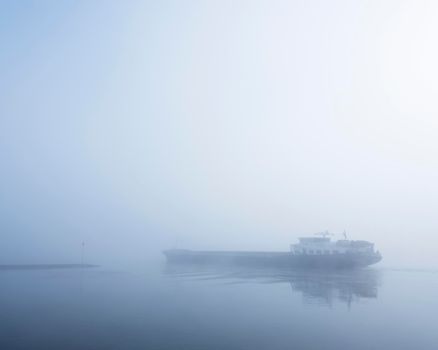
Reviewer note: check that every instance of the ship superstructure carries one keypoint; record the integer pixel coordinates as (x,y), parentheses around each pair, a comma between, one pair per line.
(323,245)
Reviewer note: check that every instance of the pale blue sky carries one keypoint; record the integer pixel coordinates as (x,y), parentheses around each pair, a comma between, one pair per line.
(217,124)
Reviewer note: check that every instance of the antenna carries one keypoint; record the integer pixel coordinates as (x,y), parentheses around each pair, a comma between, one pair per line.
(324,234)
(345,234)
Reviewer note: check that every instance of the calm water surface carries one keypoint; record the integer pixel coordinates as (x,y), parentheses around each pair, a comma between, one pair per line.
(186,307)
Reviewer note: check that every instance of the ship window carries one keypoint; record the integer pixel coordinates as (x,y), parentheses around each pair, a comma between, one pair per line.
(335,252)
(310,251)
(326,251)
(318,252)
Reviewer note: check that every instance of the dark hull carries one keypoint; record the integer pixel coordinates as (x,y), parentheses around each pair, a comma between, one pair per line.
(273,259)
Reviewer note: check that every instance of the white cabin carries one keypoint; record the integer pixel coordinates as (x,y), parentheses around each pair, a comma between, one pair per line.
(324,245)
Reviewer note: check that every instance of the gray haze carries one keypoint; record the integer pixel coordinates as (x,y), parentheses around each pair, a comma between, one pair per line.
(139,126)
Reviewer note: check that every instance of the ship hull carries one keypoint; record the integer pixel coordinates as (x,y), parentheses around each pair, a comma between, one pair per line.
(273,259)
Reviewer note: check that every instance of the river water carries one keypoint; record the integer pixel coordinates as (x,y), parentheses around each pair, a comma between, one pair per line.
(188,307)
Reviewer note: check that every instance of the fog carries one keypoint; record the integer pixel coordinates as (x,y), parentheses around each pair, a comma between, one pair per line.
(140,126)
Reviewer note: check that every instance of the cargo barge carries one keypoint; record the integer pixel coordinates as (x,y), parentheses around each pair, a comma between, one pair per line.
(310,252)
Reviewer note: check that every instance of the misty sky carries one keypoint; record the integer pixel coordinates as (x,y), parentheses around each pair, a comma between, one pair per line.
(137,126)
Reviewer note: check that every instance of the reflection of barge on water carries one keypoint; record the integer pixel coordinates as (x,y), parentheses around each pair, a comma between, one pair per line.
(310,252)
(321,287)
